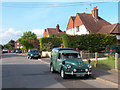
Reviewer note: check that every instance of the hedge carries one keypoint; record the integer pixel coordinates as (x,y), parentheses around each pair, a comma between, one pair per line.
(92,42)
(47,43)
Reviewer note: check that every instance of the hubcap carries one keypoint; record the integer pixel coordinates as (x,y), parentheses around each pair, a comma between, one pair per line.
(62,73)
(51,68)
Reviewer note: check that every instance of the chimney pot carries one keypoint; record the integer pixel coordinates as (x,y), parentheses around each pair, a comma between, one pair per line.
(57,27)
(95,12)
(83,12)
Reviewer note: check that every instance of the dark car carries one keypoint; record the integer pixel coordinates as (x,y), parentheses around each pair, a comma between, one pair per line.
(111,50)
(33,53)
(12,51)
(18,51)
(67,61)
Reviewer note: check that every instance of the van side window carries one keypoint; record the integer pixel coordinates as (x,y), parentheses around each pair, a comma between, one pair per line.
(59,56)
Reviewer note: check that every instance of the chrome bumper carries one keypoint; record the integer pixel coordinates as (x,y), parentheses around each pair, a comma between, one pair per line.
(88,73)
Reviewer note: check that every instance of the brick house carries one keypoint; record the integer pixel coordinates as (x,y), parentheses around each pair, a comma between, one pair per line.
(84,23)
(49,31)
(17,44)
(36,44)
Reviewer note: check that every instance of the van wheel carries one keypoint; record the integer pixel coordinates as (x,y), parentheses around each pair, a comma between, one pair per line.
(52,68)
(28,57)
(87,76)
(62,74)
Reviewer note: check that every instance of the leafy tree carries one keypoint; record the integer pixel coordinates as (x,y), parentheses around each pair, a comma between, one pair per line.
(27,40)
(10,44)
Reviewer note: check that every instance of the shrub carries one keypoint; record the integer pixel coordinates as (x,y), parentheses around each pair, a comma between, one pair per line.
(92,42)
(47,43)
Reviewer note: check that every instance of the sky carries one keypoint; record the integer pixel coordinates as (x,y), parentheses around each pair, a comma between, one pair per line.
(19,17)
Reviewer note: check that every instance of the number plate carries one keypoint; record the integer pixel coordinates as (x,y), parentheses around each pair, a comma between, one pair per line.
(36,55)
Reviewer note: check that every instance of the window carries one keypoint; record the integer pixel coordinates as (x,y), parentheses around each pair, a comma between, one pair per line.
(77,29)
(17,43)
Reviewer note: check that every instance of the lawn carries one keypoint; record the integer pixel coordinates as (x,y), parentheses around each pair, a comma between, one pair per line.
(108,63)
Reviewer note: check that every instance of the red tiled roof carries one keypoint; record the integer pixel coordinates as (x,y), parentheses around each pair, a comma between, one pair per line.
(114,28)
(92,24)
(53,30)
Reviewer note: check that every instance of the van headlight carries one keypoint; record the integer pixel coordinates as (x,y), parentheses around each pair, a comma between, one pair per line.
(89,66)
(74,70)
(68,66)
(86,70)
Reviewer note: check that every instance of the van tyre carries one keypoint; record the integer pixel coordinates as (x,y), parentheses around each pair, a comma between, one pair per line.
(62,74)
(87,76)
(52,68)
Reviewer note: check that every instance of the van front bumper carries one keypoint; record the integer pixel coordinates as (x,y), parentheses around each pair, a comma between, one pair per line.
(82,73)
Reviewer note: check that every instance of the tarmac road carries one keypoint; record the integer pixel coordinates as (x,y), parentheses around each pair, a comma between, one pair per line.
(20,72)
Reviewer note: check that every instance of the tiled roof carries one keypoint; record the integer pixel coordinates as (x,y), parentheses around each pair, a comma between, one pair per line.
(53,30)
(92,24)
(114,28)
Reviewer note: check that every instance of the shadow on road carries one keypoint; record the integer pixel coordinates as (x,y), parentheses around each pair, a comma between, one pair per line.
(9,55)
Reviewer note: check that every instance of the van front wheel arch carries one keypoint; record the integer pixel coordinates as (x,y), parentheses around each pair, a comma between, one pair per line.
(52,68)
(62,73)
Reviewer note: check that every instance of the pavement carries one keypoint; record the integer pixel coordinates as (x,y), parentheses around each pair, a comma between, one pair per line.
(106,76)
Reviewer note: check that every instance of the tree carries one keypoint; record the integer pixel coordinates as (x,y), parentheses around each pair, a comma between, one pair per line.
(27,40)
(10,44)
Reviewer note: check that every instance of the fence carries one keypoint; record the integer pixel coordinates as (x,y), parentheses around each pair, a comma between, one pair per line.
(100,60)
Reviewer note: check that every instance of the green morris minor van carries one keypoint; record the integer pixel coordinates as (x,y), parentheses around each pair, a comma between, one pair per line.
(67,61)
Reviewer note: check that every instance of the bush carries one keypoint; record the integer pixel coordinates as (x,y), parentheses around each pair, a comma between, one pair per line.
(92,42)
(47,43)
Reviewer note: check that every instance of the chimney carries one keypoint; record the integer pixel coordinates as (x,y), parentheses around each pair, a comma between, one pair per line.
(95,12)
(57,27)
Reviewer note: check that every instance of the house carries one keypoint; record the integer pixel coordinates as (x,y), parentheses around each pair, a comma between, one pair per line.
(49,31)
(36,44)
(84,23)
(17,44)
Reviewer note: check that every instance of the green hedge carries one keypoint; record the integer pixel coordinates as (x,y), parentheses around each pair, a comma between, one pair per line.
(92,42)
(47,43)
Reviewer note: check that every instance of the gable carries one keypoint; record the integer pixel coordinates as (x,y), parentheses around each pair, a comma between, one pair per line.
(70,23)
(78,21)
(45,33)
(116,30)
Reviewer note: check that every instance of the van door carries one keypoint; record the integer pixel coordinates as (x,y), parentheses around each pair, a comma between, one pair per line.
(59,62)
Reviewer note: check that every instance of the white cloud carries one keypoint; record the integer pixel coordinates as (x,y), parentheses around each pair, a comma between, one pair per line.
(16,34)
(10,34)
(38,32)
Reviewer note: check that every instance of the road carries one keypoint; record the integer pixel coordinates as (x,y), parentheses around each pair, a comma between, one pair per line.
(19,72)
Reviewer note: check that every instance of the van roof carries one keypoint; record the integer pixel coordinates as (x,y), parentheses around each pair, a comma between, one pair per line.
(68,51)
(63,48)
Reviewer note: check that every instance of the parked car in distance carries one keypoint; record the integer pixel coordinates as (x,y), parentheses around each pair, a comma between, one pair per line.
(111,50)
(67,61)
(13,51)
(5,50)
(18,50)
(33,53)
